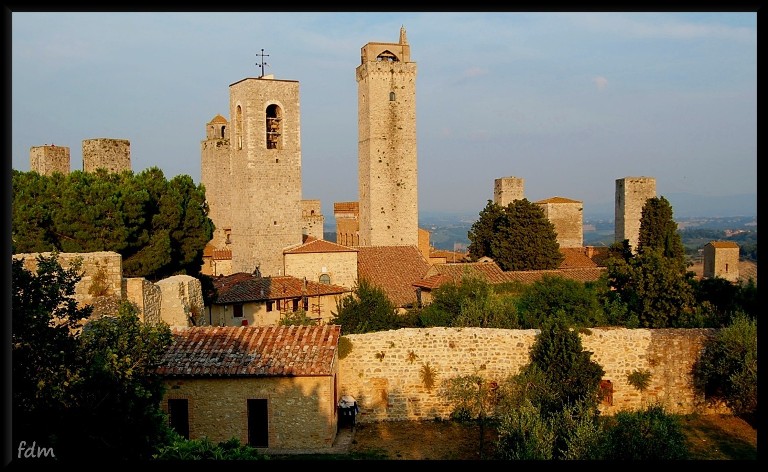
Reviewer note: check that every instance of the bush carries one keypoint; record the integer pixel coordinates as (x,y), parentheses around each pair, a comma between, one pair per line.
(649,434)
(727,368)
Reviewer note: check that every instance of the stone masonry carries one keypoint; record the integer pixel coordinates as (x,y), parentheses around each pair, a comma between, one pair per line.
(631,195)
(566,216)
(114,155)
(385,371)
(45,160)
(387,164)
(508,189)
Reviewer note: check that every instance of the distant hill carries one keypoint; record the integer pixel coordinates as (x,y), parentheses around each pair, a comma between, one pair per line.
(688,205)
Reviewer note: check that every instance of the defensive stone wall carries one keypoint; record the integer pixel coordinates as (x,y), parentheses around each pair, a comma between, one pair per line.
(397,374)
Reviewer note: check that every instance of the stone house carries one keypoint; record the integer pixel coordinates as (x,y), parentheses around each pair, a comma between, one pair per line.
(244,299)
(322,261)
(271,387)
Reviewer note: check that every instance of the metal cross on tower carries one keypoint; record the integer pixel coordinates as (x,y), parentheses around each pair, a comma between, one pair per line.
(262,64)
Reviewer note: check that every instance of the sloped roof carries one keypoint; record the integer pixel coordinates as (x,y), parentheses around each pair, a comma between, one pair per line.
(581,274)
(243,287)
(558,200)
(218,119)
(393,269)
(575,257)
(318,245)
(450,256)
(490,272)
(251,351)
(723,244)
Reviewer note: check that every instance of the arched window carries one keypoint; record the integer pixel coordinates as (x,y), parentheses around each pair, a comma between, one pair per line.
(325,279)
(391,96)
(274,127)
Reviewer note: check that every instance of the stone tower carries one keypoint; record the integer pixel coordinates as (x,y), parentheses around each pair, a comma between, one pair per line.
(265,175)
(114,155)
(721,259)
(631,195)
(312,219)
(45,160)
(507,189)
(387,167)
(216,176)
(567,217)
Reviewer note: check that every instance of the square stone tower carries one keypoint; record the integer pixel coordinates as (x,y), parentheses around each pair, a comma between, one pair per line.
(387,167)
(347,216)
(216,176)
(721,259)
(265,173)
(567,217)
(45,160)
(631,195)
(508,189)
(114,155)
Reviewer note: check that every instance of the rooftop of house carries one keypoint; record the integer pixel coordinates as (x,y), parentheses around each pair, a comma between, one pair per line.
(251,351)
(312,245)
(243,287)
(393,269)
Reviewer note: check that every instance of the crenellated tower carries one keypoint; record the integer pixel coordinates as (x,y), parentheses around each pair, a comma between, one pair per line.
(387,164)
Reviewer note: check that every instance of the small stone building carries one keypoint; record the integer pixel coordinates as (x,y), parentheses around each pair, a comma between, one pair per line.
(322,261)
(274,387)
(244,299)
(721,259)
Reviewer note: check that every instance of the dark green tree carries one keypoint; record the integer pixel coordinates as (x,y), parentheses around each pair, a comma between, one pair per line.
(651,434)
(45,316)
(727,368)
(366,309)
(159,227)
(118,414)
(658,230)
(578,303)
(517,237)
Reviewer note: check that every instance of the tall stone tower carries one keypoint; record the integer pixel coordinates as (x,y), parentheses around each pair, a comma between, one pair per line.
(114,155)
(631,195)
(387,167)
(265,175)
(508,189)
(567,217)
(45,160)
(216,176)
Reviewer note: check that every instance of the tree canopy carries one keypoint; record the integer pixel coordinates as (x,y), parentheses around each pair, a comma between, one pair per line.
(516,237)
(160,227)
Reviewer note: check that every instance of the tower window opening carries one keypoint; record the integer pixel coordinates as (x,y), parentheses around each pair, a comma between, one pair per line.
(274,127)
(391,96)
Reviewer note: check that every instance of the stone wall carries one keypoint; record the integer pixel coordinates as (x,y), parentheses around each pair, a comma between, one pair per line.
(566,216)
(182,301)
(45,160)
(312,218)
(147,297)
(102,273)
(385,370)
(340,266)
(114,155)
(302,412)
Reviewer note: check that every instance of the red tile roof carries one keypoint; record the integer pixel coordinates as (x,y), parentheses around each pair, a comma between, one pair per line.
(490,272)
(251,351)
(393,269)
(575,257)
(450,256)
(318,245)
(244,287)
(581,274)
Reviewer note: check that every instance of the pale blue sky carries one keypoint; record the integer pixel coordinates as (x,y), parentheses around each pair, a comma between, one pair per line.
(570,102)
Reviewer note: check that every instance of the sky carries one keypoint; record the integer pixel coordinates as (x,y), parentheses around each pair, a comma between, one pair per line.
(567,101)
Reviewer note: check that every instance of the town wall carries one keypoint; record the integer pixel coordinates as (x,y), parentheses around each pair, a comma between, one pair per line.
(146,296)
(385,370)
(182,301)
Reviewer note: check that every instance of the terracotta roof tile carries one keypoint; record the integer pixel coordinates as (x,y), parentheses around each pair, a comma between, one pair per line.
(582,274)
(490,272)
(723,244)
(251,351)
(218,119)
(393,269)
(243,287)
(558,200)
(450,256)
(575,257)
(319,245)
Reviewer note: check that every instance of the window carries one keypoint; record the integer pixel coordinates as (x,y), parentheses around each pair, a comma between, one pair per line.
(178,416)
(258,423)
(237,310)
(239,126)
(606,391)
(325,279)
(270,305)
(391,96)
(274,127)
(296,304)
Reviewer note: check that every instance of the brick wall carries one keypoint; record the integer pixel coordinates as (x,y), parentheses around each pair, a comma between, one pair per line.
(383,370)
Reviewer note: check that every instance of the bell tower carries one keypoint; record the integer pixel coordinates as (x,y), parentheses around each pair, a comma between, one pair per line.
(387,164)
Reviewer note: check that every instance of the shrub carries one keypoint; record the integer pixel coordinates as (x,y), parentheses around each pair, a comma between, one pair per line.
(650,434)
